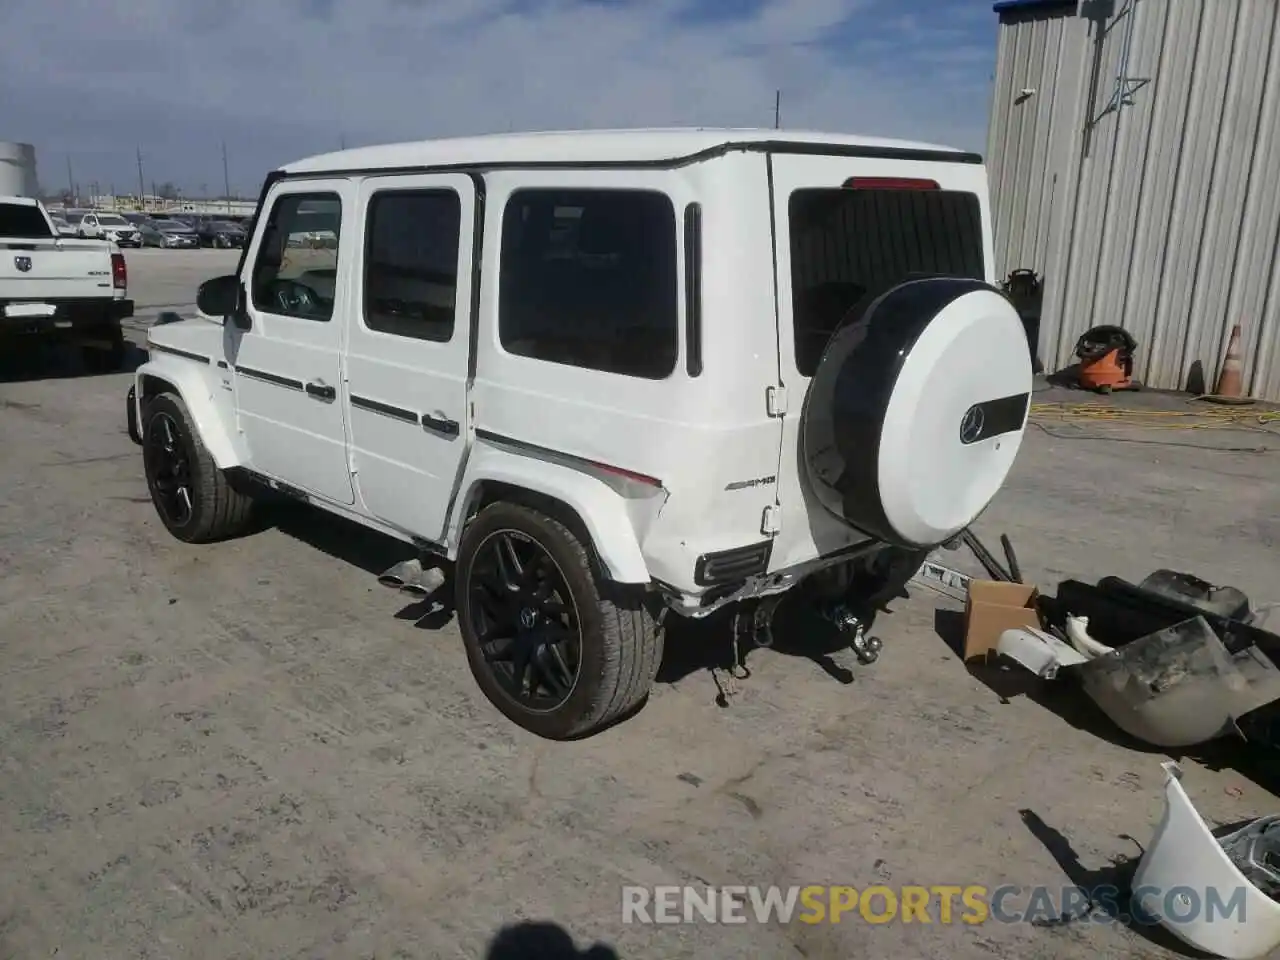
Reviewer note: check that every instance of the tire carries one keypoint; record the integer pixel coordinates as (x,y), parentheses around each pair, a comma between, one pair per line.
(930,379)
(106,360)
(620,643)
(217,511)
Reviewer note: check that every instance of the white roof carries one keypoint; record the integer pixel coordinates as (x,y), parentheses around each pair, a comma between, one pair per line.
(577,146)
(20,201)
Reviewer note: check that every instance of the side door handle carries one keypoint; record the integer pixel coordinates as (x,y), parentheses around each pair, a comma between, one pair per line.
(322,392)
(440,425)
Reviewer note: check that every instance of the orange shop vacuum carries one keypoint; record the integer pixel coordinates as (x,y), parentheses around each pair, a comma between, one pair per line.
(1106,359)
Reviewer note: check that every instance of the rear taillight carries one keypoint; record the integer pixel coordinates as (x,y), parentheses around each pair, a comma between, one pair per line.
(119,272)
(889,183)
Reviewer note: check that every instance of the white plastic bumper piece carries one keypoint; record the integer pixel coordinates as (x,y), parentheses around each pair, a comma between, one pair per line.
(1187,882)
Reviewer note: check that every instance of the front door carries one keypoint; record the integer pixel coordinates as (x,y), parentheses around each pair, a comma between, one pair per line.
(408,347)
(288,364)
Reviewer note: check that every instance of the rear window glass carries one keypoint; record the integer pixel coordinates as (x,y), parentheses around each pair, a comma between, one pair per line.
(22,222)
(850,246)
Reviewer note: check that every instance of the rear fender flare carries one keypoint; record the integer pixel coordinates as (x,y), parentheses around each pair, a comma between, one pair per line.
(197,388)
(601,509)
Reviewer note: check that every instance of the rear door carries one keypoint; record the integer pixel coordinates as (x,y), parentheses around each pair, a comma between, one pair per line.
(849,229)
(408,347)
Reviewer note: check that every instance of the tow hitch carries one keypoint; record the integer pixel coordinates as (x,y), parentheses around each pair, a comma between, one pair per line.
(867,649)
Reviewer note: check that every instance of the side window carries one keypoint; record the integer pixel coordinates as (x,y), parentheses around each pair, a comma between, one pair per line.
(296,272)
(411,263)
(589,278)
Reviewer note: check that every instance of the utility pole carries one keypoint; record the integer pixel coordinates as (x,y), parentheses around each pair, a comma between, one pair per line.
(777,109)
(142,183)
(71,183)
(226,177)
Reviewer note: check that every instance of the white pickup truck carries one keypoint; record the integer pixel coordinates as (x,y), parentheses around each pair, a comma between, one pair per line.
(55,286)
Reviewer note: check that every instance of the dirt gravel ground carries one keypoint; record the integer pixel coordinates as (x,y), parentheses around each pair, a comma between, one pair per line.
(252,750)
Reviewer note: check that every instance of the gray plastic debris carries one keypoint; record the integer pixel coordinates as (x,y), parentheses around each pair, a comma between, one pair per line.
(1255,850)
(1179,686)
(1041,653)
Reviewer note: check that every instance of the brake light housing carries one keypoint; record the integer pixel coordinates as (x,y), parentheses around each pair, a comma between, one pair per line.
(119,272)
(890,183)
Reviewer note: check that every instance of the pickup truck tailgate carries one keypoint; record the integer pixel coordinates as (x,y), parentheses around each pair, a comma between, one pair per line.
(61,269)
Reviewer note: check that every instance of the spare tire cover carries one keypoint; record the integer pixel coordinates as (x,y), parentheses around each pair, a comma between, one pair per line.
(915,413)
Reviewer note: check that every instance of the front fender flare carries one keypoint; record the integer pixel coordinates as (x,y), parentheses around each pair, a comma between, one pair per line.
(602,510)
(197,388)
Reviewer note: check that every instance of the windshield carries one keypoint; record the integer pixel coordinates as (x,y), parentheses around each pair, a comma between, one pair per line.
(850,246)
(24,221)
(171,226)
(111,220)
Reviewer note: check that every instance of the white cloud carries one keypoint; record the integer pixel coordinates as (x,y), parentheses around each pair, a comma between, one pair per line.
(94,78)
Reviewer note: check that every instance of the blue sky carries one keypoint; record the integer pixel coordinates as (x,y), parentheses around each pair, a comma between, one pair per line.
(284,79)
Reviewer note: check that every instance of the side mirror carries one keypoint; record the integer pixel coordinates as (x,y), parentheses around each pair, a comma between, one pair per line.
(223,297)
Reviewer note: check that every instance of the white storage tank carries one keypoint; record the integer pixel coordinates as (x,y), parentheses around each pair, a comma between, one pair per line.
(17,170)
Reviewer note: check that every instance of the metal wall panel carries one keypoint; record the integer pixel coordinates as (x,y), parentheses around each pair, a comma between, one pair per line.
(1161,214)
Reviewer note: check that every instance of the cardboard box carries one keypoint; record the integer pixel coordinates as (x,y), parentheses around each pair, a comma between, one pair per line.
(991,608)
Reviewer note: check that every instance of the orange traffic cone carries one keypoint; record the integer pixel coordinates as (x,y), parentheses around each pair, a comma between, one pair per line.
(1229,380)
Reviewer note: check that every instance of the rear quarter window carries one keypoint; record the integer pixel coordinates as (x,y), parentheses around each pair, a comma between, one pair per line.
(848,246)
(589,278)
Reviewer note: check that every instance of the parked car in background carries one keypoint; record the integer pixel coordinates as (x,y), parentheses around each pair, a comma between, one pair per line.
(52,288)
(94,225)
(168,234)
(137,219)
(220,233)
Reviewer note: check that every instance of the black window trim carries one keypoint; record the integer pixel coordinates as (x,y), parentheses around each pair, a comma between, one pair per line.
(585,188)
(254,240)
(693,289)
(367,242)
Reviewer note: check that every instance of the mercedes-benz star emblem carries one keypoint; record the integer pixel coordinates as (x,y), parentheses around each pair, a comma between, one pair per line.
(22,263)
(972,424)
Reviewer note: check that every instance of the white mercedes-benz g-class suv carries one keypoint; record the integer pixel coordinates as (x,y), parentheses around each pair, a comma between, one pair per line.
(609,375)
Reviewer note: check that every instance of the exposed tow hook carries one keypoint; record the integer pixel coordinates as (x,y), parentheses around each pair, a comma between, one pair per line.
(762,621)
(761,629)
(867,649)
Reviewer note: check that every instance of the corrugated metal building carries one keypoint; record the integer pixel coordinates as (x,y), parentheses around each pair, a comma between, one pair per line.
(1134,153)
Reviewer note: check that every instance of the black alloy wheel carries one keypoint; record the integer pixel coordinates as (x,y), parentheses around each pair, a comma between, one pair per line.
(552,643)
(526,622)
(168,467)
